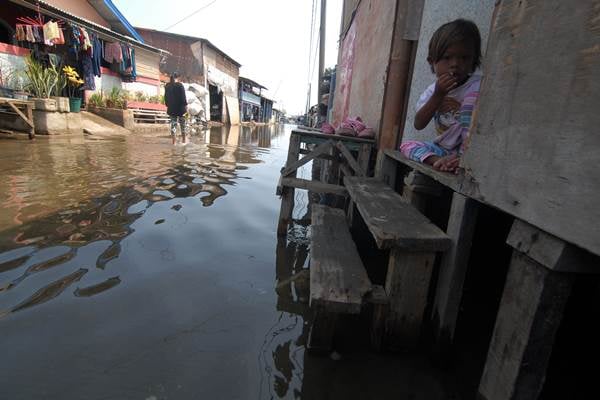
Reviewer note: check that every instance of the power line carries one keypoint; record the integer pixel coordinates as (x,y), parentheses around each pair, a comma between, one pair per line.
(191,15)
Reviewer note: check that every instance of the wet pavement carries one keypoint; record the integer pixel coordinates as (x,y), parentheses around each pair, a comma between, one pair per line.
(134,269)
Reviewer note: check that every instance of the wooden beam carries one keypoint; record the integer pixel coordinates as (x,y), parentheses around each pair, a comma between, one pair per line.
(23,116)
(350,158)
(319,150)
(453,269)
(314,186)
(530,313)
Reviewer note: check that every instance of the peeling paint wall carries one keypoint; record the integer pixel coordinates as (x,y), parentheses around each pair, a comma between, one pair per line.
(436,13)
(374,24)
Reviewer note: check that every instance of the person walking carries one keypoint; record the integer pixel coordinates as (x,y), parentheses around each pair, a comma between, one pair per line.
(176,105)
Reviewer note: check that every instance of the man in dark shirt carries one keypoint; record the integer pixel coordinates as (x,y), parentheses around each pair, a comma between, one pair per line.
(176,105)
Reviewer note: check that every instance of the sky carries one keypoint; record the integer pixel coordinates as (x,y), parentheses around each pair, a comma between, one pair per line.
(270,38)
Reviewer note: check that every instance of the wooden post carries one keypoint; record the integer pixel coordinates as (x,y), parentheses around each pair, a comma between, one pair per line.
(320,338)
(416,188)
(530,313)
(385,169)
(453,268)
(407,284)
(380,305)
(287,196)
(30,118)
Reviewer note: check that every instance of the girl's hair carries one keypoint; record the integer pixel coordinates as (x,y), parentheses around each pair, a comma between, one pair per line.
(457,31)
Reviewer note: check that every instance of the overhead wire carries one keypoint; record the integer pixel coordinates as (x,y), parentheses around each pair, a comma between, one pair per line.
(191,15)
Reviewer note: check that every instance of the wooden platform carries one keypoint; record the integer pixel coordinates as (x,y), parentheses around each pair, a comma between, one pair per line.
(20,108)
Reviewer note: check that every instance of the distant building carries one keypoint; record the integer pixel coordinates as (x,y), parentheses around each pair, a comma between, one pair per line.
(197,60)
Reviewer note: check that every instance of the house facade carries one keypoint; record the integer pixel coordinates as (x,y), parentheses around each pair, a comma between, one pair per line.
(100,20)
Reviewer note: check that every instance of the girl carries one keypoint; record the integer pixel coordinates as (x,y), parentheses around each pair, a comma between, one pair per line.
(454,55)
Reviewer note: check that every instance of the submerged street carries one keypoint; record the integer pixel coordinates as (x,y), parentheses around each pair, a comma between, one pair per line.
(130,268)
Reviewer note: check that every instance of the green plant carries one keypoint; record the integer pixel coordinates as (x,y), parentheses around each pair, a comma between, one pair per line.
(61,83)
(154,99)
(116,98)
(97,99)
(140,96)
(42,80)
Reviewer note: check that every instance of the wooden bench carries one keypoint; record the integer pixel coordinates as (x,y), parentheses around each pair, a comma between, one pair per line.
(413,242)
(338,280)
(142,116)
(20,108)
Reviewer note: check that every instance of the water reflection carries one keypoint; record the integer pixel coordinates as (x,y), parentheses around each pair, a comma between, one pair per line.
(73,192)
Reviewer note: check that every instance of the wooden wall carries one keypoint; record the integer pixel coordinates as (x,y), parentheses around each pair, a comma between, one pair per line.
(535,149)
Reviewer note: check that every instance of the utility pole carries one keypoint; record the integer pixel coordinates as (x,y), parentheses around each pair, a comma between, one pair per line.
(321,48)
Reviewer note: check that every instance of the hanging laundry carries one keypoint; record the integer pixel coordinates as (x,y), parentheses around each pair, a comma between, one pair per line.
(96,55)
(113,52)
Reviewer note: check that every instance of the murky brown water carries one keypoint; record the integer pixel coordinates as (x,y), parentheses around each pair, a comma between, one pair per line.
(133,269)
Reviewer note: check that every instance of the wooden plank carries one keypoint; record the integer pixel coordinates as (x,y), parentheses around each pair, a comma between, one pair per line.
(20,114)
(350,159)
(393,222)
(314,186)
(453,269)
(407,284)
(530,313)
(364,157)
(549,250)
(338,279)
(532,153)
(454,182)
(386,169)
(318,151)
(320,135)
(287,197)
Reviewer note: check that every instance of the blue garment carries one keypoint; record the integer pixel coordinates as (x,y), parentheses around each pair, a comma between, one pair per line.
(97,55)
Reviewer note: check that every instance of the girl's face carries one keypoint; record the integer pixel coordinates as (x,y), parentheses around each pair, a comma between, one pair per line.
(457,61)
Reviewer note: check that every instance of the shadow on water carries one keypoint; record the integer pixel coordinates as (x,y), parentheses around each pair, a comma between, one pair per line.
(203,169)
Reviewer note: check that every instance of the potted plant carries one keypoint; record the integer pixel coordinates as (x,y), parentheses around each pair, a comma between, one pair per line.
(42,80)
(74,83)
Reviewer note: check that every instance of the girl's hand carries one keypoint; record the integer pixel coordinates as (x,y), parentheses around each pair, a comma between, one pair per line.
(444,84)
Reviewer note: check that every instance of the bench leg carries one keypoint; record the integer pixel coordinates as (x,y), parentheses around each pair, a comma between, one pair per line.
(530,313)
(407,284)
(320,338)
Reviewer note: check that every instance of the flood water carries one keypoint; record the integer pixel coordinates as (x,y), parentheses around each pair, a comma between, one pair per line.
(134,269)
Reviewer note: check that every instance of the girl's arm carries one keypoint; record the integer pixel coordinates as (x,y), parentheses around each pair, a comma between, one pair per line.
(443,85)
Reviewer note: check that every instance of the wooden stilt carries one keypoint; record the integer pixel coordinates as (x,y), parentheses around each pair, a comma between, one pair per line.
(537,288)
(287,196)
(453,268)
(407,284)
(320,338)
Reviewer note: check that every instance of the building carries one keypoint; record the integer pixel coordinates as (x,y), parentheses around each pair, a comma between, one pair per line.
(197,60)
(252,103)
(99,18)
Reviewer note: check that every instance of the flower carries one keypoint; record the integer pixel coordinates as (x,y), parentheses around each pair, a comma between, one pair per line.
(73,80)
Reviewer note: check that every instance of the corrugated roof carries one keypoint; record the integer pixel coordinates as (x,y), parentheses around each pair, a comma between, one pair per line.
(56,12)
(190,38)
(117,21)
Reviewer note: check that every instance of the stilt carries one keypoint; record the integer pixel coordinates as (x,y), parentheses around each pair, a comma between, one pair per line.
(530,313)
(287,193)
(453,268)
(407,284)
